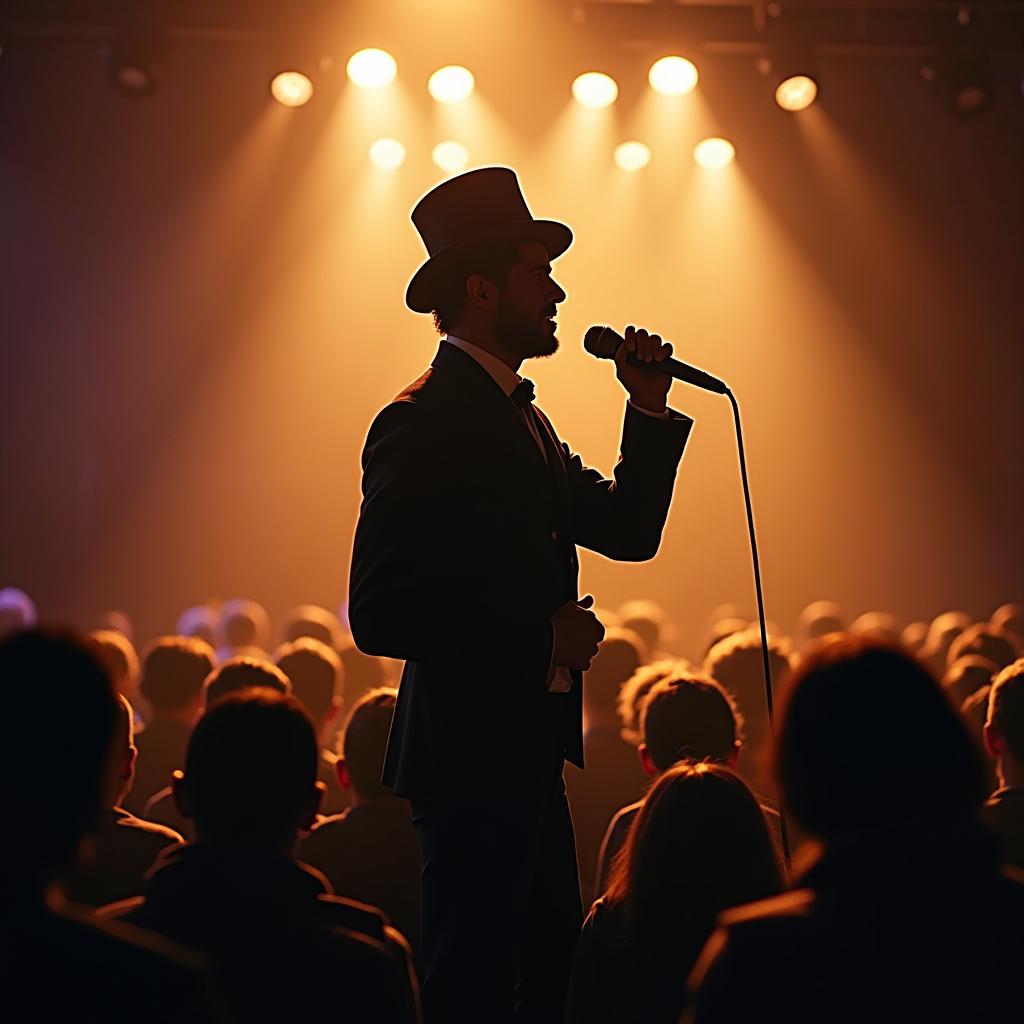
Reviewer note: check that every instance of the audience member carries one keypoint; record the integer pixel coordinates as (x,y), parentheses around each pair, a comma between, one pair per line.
(1004,740)
(721,630)
(17,611)
(201,621)
(56,965)
(882,626)
(967,675)
(243,628)
(944,629)
(124,847)
(983,639)
(317,679)
(371,852)
(907,915)
(363,672)
(698,846)
(280,945)
(819,619)
(119,622)
(974,712)
(120,659)
(738,664)
(914,637)
(633,693)
(686,717)
(1011,617)
(613,776)
(171,683)
(310,620)
(648,620)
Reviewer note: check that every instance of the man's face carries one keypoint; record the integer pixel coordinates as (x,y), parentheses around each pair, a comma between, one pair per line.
(524,323)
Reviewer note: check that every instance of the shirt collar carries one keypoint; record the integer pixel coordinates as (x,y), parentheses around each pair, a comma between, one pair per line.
(502,375)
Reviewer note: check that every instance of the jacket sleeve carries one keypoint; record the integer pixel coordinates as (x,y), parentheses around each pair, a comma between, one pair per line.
(623,518)
(418,590)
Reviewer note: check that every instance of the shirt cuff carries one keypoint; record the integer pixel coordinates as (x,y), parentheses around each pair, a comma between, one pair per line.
(647,412)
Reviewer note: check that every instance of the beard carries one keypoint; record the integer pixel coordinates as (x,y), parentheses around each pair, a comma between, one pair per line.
(521,334)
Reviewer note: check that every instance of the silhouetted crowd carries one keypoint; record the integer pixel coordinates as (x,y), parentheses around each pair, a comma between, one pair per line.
(198,831)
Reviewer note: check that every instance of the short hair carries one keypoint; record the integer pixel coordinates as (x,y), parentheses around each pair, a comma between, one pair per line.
(364,740)
(914,636)
(310,620)
(315,672)
(619,655)
(1010,616)
(993,642)
(243,623)
(635,689)
(967,675)
(819,619)
(647,619)
(42,669)
(722,629)
(1006,707)
(877,626)
(201,620)
(489,258)
(173,670)
(251,766)
(853,707)
(687,716)
(243,672)
(943,630)
(17,611)
(118,654)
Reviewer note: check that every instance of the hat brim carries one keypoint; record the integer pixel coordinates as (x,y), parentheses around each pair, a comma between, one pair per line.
(421,294)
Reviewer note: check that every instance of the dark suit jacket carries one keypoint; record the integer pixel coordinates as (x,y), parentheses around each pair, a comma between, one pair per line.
(466,544)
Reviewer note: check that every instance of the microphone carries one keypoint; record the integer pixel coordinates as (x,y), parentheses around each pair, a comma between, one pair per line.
(603,342)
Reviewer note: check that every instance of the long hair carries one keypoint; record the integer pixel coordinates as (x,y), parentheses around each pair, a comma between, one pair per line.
(698,846)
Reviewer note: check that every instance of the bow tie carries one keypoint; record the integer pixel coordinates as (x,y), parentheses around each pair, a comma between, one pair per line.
(522,393)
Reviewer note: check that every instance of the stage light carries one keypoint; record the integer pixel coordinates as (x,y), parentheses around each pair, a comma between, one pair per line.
(451,84)
(372,68)
(387,154)
(632,156)
(963,81)
(672,76)
(450,156)
(132,67)
(292,88)
(797,92)
(714,153)
(595,90)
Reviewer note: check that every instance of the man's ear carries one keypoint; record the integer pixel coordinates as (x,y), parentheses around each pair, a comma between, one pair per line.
(312,809)
(341,772)
(994,746)
(128,763)
(734,758)
(480,292)
(646,762)
(179,788)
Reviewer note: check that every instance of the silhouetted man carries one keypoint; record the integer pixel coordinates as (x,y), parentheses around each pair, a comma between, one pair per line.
(465,567)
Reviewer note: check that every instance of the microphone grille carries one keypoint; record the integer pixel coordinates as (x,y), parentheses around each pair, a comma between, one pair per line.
(602,342)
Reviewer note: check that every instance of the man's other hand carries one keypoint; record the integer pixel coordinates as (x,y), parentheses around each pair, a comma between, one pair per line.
(577,634)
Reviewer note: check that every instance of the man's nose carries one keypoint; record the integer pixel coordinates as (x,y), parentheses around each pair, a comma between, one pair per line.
(559,295)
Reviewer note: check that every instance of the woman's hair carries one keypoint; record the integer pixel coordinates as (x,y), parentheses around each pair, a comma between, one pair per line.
(698,846)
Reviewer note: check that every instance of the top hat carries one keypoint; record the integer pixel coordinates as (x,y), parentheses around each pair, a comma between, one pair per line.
(482,205)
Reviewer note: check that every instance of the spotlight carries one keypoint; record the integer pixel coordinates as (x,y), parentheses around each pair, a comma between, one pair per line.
(632,156)
(963,81)
(595,90)
(714,153)
(372,69)
(132,62)
(292,88)
(672,76)
(387,154)
(450,156)
(797,92)
(451,84)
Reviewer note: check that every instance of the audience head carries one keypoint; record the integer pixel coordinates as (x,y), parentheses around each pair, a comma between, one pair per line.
(698,846)
(987,641)
(877,626)
(173,670)
(648,620)
(944,629)
(721,630)
(868,741)
(118,621)
(967,675)
(250,774)
(914,637)
(362,746)
(310,620)
(118,654)
(243,673)
(619,655)
(243,623)
(1011,617)
(124,752)
(819,619)
(17,611)
(1004,726)
(315,672)
(688,717)
(201,621)
(43,669)
(362,672)
(634,691)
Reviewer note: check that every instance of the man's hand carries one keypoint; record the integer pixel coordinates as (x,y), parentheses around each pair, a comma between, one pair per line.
(647,385)
(577,634)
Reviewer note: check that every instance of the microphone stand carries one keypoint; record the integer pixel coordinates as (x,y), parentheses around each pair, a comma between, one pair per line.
(760,603)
